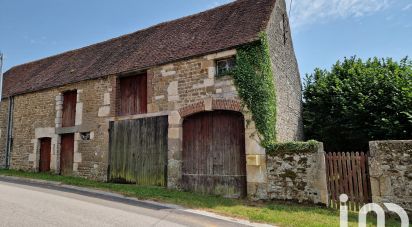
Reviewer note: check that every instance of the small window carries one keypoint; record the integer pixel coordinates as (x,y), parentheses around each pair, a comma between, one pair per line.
(225,66)
(85,136)
(284,29)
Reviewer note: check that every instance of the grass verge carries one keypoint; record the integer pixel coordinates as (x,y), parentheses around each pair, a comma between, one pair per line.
(278,213)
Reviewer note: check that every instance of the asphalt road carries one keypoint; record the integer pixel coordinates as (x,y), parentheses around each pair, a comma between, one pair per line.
(28,205)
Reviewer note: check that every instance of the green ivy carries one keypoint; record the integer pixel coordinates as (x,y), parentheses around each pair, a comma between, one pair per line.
(254,80)
(293,147)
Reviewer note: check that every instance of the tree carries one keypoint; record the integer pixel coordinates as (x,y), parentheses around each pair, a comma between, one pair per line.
(359,101)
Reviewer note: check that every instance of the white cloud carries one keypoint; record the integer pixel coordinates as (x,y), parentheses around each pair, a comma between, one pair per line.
(407,7)
(312,11)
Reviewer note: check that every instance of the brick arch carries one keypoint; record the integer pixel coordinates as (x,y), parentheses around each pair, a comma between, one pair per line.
(207,105)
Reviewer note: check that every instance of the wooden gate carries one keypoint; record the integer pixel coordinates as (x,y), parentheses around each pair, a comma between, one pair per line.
(214,153)
(138,151)
(347,173)
(45,153)
(66,154)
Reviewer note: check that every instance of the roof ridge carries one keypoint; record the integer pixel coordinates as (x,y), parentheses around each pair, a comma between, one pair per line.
(125,35)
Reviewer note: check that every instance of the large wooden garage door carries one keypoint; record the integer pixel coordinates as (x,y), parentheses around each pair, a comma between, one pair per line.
(214,153)
(138,151)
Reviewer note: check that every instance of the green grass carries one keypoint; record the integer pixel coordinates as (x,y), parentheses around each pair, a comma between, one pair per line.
(278,213)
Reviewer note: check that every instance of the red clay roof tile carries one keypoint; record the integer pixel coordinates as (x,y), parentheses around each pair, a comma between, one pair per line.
(217,29)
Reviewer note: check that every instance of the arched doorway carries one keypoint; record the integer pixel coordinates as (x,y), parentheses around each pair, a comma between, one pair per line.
(214,159)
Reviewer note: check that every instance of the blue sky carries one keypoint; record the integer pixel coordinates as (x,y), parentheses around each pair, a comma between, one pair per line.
(323,30)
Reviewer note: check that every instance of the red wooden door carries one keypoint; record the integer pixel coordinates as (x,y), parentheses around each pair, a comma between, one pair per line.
(45,153)
(69,108)
(66,154)
(133,95)
(214,160)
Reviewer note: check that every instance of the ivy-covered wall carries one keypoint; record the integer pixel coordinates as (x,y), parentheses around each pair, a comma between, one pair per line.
(288,86)
(253,78)
(268,81)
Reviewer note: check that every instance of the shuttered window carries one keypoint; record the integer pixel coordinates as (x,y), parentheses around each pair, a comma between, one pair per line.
(69,108)
(133,95)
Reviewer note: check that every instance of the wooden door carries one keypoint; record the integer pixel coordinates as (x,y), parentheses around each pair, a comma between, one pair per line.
(66,154)
(133,95)
(138,151)
(214,160)
(69,108)
(45,153)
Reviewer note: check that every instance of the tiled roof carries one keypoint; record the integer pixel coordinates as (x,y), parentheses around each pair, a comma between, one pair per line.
(217,29)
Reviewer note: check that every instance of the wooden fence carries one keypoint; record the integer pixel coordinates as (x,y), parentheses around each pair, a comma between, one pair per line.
(347,173)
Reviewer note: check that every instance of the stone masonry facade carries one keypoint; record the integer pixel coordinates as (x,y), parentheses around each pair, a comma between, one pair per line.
(176,90)
(289,123)
(298,176)
(4,106)
(390,169)
(38,115)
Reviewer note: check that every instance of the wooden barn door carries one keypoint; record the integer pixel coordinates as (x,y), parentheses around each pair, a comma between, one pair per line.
(214,159)
(138,151)
(66,154)
(45,153)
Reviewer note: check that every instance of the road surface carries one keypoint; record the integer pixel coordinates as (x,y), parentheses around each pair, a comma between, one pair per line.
(28,205)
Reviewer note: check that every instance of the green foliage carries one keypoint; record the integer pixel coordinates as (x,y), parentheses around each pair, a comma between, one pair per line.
(358,101)
(292,147)
(254,79)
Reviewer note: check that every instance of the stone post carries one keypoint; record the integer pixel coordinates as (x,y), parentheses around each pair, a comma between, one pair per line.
(174,166)
(390,170)
(256,171)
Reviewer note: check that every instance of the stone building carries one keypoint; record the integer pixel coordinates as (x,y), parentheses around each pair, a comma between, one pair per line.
(151,107)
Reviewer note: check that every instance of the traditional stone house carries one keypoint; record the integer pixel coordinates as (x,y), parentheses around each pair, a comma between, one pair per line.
(150,107)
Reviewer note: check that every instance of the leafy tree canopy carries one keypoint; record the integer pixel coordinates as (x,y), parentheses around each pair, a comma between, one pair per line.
(359,101)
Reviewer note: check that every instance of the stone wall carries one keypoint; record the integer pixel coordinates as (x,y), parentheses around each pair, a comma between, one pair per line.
(4,106)
(177,90)
(37,115)
(179,84)
(189,87)
(390,169)
(298,176)
(289,124)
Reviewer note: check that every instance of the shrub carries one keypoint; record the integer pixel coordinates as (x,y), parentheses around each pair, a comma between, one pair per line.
(358,101)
